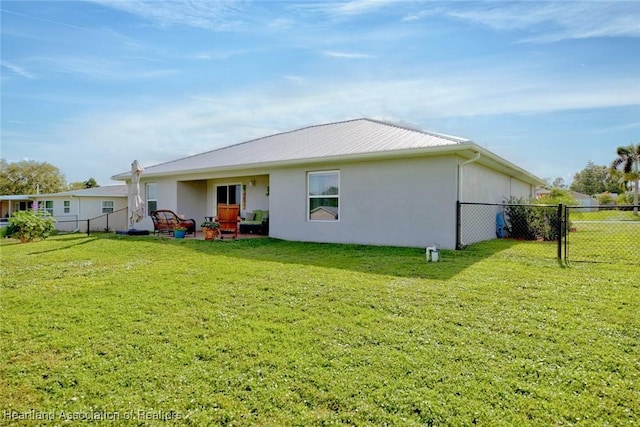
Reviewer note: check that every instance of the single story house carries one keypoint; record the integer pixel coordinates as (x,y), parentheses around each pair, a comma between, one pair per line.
(580,198)
(104,206)
(357,181)
(14,203)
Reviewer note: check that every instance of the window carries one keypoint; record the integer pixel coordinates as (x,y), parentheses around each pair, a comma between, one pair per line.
(67,206)
(48,206)
(324,195)
(20,206)
(230,194)
(107,206)
(152,197)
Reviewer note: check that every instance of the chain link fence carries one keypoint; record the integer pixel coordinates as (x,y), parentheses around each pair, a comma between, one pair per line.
(103,223)
(538,227)
(606,234)
(609,234)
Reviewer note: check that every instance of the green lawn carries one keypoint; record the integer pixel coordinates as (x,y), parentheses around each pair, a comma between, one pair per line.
(266,332)
(603,215)
(605,241)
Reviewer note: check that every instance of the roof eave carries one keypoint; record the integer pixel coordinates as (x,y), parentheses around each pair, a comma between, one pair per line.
(499,163)
(464,149)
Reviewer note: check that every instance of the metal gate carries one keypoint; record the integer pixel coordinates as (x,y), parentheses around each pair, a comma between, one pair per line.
(602,234)
(571,234)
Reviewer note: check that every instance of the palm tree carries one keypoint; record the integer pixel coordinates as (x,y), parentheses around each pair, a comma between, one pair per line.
(629,159)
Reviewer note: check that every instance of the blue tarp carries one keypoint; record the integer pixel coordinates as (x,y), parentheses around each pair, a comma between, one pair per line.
(501,232)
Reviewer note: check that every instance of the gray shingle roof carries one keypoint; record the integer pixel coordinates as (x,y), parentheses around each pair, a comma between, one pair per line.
(332,140)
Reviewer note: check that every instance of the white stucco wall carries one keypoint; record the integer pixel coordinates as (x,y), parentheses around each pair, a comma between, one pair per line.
(191,199)
(167,194)
(398,202)
(83,208)
(257,197)
(405,202)
(483,185)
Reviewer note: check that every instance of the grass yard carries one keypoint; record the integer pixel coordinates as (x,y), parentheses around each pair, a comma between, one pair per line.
(146,330)
(603,215)
(605,241)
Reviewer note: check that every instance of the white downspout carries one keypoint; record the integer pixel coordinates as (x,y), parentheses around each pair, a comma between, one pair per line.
(78,215)
(460,167)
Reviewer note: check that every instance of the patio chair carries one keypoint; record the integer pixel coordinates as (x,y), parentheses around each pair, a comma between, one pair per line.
(228,218)
(165,220)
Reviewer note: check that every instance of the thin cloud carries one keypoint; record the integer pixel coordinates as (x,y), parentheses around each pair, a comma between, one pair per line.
(50,21)
(417,16)
(358,7)
(298,80)
(207,121)
(19,70)
(218,55)
(557,21)
(213,15)
(336,9)
(171,131)
(347,55)
(96,68)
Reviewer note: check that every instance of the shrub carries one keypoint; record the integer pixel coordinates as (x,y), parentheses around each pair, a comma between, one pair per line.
(606,199)
(556,196)
(529,222)
(29,225)
(518,219)
(4,231)
(625,199)
(544,222)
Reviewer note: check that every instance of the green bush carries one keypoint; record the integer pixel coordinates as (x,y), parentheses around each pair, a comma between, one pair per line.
(606,199)
(4,231)
(625,199)
(518,219)
(29,225)
(529,222)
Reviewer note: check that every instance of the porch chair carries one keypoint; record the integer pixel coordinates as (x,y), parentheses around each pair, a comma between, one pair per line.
(228,218)
(165,220)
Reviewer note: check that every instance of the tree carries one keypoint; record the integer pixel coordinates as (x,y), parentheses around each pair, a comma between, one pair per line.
(76,185)
(559,183)
(81,185)
(91,183)
(594,179)
(30,177)
(629,161)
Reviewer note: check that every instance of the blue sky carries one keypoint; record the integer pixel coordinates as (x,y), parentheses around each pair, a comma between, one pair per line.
(91,86)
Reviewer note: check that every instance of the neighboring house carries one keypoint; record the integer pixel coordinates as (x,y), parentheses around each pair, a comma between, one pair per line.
(585,200)
(14,203)
(375,183)
(71,209)
(104,206)
(324,213)
(580,198)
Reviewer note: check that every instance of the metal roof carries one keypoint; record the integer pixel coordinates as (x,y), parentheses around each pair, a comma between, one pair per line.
(332,140)
(106,191)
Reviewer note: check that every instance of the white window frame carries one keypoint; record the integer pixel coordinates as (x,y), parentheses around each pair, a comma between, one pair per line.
(67,206)
(310,174)
(106,209)
(150,199)
(48,206)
